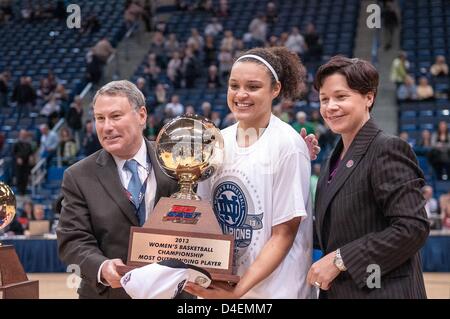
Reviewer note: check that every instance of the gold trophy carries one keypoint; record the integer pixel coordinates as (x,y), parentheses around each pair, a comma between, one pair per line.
(14,283)
(190,149)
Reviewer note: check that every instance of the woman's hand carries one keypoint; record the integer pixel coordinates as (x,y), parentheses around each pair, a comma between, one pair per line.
(312,143)
(217,290)
(323,272)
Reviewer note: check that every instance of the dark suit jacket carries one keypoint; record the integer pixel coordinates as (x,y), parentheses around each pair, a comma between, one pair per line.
(96,217)
(374,212)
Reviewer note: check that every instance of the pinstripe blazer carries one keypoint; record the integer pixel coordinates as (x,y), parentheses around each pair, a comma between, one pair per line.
(374,212)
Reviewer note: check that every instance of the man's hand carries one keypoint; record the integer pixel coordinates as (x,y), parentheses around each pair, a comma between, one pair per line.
(323,272)
(109,272)
(312,143)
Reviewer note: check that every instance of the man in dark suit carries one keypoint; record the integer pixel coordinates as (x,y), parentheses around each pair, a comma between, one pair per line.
(369,212)
(99,204)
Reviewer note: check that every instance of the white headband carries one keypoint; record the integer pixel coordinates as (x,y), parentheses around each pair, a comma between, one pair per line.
(257,57)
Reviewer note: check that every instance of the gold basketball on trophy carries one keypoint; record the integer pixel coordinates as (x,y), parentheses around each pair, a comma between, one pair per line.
(7,205)
(190,149)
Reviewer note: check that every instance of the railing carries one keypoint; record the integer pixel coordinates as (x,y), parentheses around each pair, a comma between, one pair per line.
(37,175)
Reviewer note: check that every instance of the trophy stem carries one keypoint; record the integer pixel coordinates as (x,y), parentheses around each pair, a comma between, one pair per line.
(187,184)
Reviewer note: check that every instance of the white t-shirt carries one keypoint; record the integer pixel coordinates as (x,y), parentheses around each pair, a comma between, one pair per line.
(259,187)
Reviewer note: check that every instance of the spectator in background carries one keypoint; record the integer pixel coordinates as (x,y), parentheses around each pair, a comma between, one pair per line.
(6,8)
(49,143)
(171,45)
(216,119)
(424,89)
(62,97)
(303,123)
(157,47)
(223,10)
(228,41)
(390,23)
(52,80)
(97,57)
(405,136)
(317,122)
(174,69)
(133,12)
(23,155)
(4,88)
(258,29)
(408,90)
(213,77)
(160,95)
(152,129)
(423,146)
(142,86)
(67,148)
(295,42)
(239,48)
(283,38)
(271,13)
(313,43)
(444,202)
(45,91)
(439,156)
(189,68)
(209,51)
(26,214)
(229,120)
(103,50)
(272,42)
(431,205)
(75,118)
(285,108)
(327,141)
(174,108)
(399,69)
(206,110)
(90,25)
(225,62)
(213,28)
(39,212)
(25,96)
(51,111)
(278,111)
(195,41)
(90,142)
(189,109)
(440,67)
(15,228)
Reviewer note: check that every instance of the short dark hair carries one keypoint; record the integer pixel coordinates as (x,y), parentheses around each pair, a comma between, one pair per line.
(361,75)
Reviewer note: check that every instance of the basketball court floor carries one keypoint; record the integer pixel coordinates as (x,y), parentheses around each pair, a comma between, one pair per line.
(56,285)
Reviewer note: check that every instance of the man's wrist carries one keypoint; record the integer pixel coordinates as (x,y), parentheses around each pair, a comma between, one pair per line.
(100,278)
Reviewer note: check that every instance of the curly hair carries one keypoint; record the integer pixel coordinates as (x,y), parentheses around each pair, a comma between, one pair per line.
(288,66)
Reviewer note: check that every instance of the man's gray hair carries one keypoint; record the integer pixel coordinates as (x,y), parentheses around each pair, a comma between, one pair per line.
(122,88)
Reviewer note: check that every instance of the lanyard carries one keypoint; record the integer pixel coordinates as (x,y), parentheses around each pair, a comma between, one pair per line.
(143,189)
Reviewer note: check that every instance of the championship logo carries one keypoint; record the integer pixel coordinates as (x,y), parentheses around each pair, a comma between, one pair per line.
(182,214)
(231,208)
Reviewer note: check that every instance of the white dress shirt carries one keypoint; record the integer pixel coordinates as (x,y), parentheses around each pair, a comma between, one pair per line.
(144,168)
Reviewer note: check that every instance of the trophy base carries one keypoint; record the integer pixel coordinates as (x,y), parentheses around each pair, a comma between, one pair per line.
(232,279)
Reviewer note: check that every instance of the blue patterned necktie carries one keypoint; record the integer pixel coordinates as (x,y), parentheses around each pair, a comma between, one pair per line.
(134,188)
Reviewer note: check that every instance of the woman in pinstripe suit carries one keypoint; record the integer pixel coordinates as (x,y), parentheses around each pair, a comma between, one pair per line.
(369,212)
